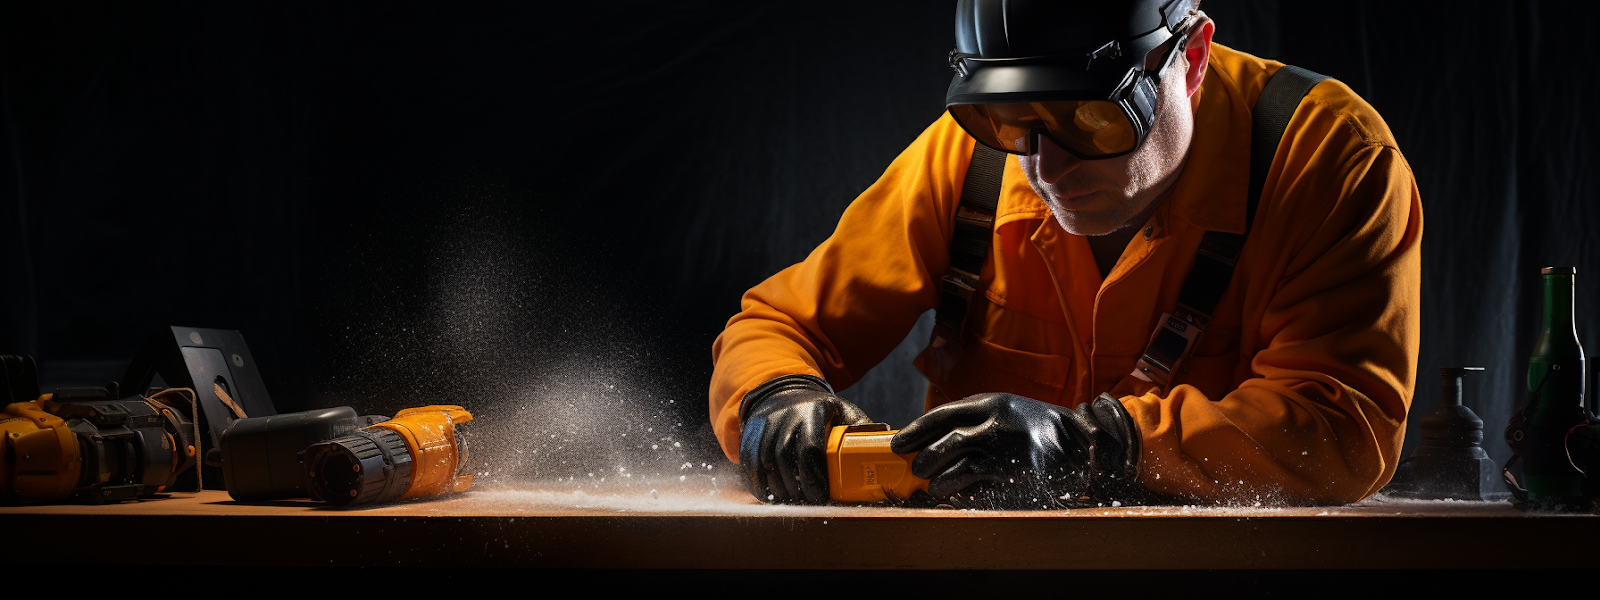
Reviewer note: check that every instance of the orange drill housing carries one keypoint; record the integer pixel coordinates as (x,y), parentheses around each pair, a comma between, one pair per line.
(40,459)
(436,451)
(861,468)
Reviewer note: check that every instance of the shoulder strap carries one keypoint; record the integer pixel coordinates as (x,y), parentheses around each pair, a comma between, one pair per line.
(1176,333)
(1219,251)
(1270,117)
(969,242)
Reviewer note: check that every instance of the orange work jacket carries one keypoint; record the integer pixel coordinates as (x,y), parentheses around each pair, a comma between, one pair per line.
(1296,392)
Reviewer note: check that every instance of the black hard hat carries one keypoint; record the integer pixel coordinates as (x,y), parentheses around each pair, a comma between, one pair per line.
(1074,72)
(1029,50)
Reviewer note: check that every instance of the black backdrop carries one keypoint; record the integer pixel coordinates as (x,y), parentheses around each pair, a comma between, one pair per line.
(513,208)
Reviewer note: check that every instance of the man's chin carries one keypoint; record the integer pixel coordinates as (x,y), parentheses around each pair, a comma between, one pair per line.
(1070,201)
(1077,223)
(1082,218)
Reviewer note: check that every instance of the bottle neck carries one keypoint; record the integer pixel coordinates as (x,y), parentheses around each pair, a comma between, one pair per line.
(1558,297)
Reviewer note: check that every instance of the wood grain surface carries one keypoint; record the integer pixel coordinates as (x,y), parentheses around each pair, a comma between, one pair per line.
(634,529)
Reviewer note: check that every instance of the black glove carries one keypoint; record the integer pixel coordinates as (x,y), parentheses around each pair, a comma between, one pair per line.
(1006,451)
(783,445)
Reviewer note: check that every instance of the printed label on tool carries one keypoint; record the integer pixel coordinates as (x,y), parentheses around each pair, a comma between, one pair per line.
(867,440)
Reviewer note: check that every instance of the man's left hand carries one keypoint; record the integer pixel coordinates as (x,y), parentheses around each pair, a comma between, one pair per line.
(1007,451)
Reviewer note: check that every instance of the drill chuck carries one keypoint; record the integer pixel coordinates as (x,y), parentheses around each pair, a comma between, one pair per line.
(369,465)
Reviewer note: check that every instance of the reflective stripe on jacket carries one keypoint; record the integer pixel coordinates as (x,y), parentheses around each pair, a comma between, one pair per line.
(1298,389)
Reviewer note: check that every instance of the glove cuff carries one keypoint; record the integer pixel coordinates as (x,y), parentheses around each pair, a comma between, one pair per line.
(776,385)
(1115,420)
(1116,468)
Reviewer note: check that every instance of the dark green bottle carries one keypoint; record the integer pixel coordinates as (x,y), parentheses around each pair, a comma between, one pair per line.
(1556,378)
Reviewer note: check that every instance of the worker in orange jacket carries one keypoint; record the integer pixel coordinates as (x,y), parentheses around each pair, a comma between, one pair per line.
(1297,389)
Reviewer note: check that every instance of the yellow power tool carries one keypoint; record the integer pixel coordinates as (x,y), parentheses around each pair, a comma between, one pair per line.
(862,468)
(420,452)
(93,445)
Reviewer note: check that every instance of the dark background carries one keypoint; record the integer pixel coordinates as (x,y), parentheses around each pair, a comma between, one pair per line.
(517,209)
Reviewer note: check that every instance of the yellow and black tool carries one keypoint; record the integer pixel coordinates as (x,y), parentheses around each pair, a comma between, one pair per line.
(862,468)
(91,444)
(419,453)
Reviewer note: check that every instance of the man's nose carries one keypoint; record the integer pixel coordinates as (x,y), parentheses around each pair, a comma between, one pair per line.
(1054,163)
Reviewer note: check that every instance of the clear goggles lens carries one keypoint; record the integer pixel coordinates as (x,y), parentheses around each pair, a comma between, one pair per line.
(1087,128)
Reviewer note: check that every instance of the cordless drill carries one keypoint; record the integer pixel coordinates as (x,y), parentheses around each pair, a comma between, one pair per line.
(333,455)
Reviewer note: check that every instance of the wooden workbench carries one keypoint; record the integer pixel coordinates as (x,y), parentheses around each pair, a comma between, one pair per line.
(552,527)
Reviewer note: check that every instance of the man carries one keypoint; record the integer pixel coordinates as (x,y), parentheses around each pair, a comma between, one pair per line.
(1298,387)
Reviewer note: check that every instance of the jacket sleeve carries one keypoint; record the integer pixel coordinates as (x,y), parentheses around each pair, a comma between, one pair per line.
(843,309)
(1331,338)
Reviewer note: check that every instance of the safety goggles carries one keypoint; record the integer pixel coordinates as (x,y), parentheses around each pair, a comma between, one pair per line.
(1106,126)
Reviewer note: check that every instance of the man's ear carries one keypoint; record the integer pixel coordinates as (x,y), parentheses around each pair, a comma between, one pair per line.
(1197,52)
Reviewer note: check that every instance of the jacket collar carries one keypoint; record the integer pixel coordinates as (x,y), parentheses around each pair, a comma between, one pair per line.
(1210,193)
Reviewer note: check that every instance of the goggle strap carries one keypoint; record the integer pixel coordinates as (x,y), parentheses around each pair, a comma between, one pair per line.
(1176,14)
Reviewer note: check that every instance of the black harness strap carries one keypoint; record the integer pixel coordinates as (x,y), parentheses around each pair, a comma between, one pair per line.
(1219,251)
(1177,332)
(969,242)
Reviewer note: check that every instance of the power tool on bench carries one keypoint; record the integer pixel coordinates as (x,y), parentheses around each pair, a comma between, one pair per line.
(92,444)
(419,453)
(97,444)
(257,454)
(343,459)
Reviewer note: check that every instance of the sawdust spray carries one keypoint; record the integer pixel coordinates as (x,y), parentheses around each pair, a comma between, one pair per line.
(565,381)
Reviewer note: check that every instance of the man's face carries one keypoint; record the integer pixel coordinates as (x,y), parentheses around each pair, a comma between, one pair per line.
(1096,197)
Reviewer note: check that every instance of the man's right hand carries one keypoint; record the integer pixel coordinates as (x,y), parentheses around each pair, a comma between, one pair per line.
(783,444)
